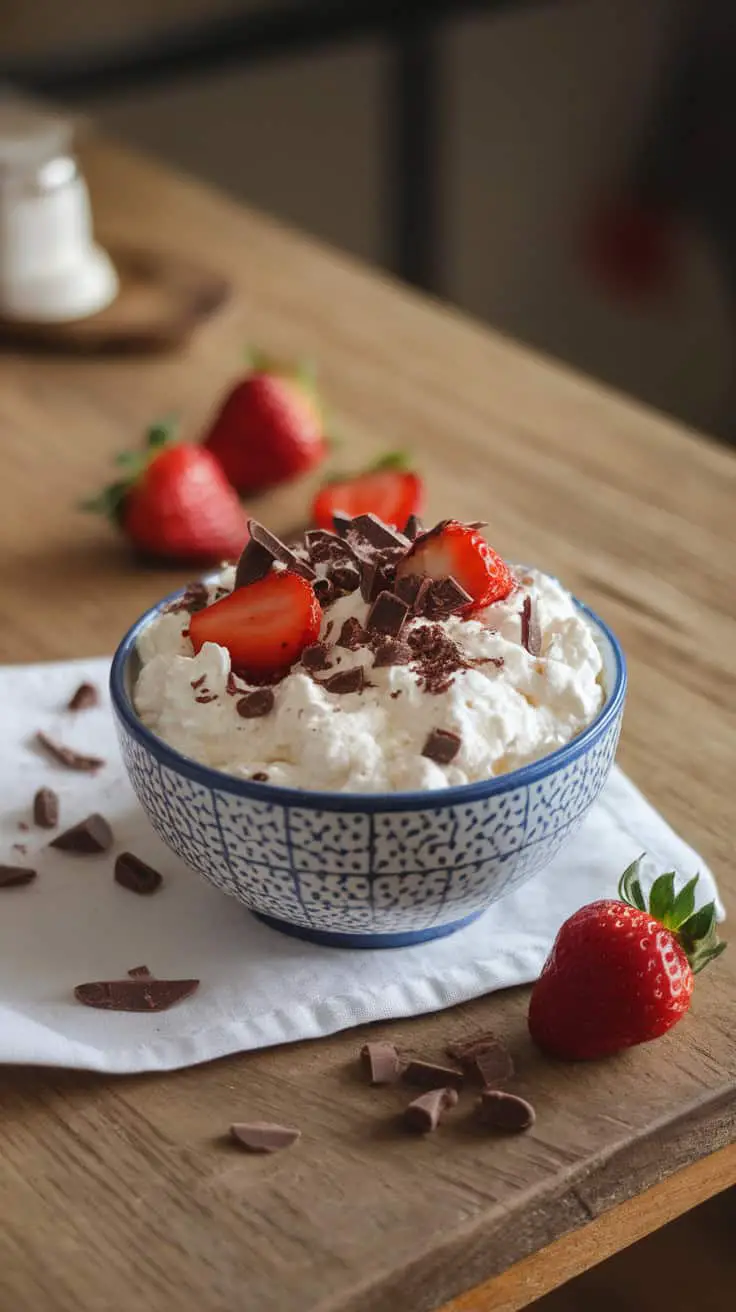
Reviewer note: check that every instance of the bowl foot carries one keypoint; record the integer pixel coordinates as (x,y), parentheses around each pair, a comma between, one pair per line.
(325,937)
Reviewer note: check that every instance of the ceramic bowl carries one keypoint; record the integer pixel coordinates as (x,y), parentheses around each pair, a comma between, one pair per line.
(376,869)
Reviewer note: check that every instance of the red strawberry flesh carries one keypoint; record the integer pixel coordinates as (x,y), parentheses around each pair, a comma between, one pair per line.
(265,626)
(391,494)
(460,551)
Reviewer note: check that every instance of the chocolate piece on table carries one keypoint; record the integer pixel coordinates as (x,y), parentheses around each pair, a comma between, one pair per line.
(324,591)
(531,633)
(377,534)
(504,1111)
(352,635)
(14,876)
(88,837)
(387,614)
(264,1136)
(67,756)
(425,1113)
(380,1062)
(138,994)
(136,875)
(392,651)
(413,527)
(46,808)
(345,681)
(316,657)
(444,598)
(442,746)
(140,972)
(85,697)
(431,1075)
(484,1058)
(256,704)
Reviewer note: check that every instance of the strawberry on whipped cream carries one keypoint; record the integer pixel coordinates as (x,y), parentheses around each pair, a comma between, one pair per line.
(428,663)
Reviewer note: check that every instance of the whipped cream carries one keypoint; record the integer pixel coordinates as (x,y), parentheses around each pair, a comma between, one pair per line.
(506,705)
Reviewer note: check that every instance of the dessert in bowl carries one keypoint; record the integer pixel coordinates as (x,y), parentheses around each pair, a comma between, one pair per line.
(371,736)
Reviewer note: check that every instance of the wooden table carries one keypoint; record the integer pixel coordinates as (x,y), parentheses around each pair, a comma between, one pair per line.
(118,1193)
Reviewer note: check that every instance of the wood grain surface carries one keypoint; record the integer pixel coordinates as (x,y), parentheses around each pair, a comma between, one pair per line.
(121,1193)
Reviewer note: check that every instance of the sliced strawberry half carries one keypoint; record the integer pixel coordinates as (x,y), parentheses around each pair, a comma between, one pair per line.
(388,490)
(265,625)
(457,549)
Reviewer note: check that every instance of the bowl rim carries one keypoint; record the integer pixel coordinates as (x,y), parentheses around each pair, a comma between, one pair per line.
(324,800)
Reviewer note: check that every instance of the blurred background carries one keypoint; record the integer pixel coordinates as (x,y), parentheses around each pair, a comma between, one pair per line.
(561,168)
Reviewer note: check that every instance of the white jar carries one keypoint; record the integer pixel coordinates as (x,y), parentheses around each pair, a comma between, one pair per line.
(51,270)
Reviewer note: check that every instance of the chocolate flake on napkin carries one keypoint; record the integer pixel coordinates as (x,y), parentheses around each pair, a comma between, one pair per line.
(14,876)
(84,698)
(46,808)
(66,755)
(136,875)
(137,994)
(88,837)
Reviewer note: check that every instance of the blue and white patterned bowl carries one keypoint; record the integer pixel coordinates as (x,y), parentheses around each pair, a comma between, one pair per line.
(368,870)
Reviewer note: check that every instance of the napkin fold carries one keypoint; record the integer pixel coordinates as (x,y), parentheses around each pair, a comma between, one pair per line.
(258,987)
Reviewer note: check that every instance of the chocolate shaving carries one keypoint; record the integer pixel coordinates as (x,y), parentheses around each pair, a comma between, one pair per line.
(264,1136)
(254,564)
(424,1114)
(504,1111)
(205,697)
(277,550)
(256,704)
(46,808)
(436,657)
(260,777)
(441,746)
(90,836)
(345,681)
(445,598)
(137,994)
(380,1062)
(392,651)
(316,657)
(531,633)
(67,756)
(413,527)
(352,635)
(85,697)
(431,1075)
(14,876)
(194,597)
(387,615)
(136,875)
(140,972)
(484,1058)
(197,683)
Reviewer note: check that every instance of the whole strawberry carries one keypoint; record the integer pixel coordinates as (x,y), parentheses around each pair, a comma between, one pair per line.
(620,972)
(174,502)
(269,428)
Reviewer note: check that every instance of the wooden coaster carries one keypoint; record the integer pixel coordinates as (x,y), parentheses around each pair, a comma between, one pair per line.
(162,299)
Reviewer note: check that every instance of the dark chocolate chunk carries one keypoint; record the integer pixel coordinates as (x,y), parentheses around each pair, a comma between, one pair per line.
(352,635)
(342,523)
(325,548)
(373,579)
(425,1113)
(136,875)
(67,756)
(264,1136)
(316,657)
(392,651)
(140,972)
(407,586)
(380,1062)
(260,777)
(86,838)
(85,697)
(138,994)
(254,564)
(377,534)
(484,1058)
(531,633)
(477,523)
(14,876)
(442,746)
(444,598)
(345,681)
(413,527)
(194,597)
(256,704)
(387,614)
(324,591)
(430,1075)
(345,578)
(277,549)
(46,808)
(504,1111)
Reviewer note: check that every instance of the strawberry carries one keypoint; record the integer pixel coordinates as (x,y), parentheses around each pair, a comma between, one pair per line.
(387,489)
(620,972)
(175,502)
(268,429)
(460,550)
(265,625)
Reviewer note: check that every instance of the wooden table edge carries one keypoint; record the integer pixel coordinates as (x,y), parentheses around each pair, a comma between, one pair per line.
(601,1238)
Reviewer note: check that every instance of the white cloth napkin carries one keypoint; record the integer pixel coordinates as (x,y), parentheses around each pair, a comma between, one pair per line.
(258,987)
